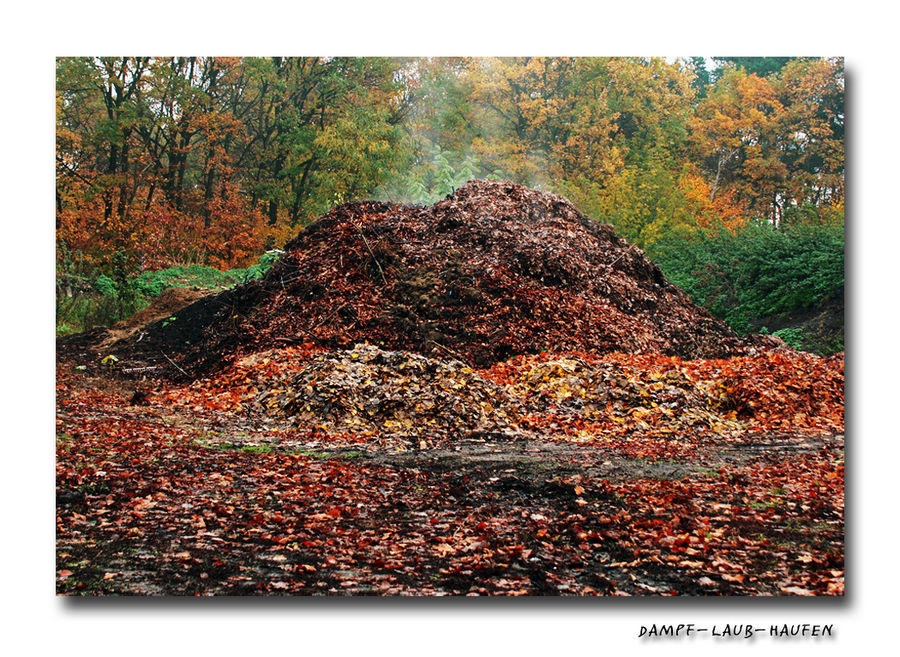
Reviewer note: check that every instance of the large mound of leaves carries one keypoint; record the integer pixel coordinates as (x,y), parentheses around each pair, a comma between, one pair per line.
(492,271)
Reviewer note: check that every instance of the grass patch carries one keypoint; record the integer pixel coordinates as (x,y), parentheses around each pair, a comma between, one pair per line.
(256,449)
(153,283)
(82,313)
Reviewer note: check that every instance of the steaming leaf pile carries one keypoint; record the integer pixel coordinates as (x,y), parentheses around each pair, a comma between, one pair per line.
(492,271)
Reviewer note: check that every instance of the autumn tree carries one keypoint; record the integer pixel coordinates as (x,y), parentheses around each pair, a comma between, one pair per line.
(97,118)
(775,143)
(180,155)
(812,133)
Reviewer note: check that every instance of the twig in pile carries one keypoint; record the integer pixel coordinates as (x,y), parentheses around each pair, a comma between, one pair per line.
(371,253)
(452,353)
(174,364)
(291,340)
(621,255)
(329,316)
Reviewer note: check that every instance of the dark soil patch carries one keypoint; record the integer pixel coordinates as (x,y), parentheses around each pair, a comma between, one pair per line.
(162,313)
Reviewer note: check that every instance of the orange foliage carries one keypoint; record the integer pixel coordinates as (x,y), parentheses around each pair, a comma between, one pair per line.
(161,236)
(724,209)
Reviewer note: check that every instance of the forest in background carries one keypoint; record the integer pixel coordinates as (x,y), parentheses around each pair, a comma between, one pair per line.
(728,172)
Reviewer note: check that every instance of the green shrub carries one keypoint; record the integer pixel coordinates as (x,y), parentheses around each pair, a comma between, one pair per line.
(105,285)
(112,290)
(121,296)
(82,313)
(756,272)
(258,270)
(794,337)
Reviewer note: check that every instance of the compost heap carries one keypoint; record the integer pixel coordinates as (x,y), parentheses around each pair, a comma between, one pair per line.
(492,271)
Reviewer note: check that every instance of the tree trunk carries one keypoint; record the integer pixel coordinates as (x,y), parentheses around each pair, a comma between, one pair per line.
(208,194)
(724,158)
(123,167)
(111,167)
(300,193)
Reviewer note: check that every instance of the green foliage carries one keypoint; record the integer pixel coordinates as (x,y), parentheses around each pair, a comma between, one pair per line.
(257,449)
(361,149)
(82,313)
(119,296)
(152,283)
(265,262)
(108,299)
(804,340)
(792,336)
(761,66)
(105,285)
(702,78)
(757,271)
(643,203)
